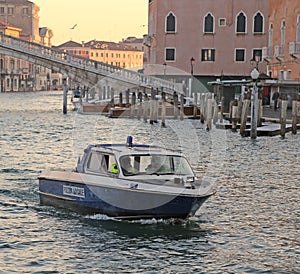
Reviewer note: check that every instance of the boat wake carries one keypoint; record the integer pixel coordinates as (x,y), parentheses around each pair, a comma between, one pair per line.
(103,217)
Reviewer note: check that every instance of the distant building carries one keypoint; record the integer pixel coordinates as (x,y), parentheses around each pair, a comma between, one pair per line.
(115,54)
(9,66)
(45,36)
(137,43)
(282,51)
(22,14)
(20,18)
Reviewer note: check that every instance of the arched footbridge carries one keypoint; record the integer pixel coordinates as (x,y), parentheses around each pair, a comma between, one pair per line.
(86,71)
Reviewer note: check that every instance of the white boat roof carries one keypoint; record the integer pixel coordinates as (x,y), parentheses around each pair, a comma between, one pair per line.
(122,149)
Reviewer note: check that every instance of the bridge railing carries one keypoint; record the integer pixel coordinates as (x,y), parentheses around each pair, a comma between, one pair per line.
(65,58)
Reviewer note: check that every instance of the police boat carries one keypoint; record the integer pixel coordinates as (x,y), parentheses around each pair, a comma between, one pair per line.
(129,181)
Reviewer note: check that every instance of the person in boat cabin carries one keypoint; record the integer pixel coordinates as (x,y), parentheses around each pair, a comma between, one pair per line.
(126,165)
(157,165)
(115,169)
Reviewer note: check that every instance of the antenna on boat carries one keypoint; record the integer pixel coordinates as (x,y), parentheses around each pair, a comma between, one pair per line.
(129,141)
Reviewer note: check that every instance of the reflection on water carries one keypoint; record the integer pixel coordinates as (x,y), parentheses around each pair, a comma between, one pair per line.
(250,225)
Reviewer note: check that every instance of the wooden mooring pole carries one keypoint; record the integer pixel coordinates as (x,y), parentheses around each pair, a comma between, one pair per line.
(195,108)
(140,105)
(133,104)
(234,114)
(284,103)
(295,113)
(65,95)
(152,107)
(245,108)
(146,101)
(175,100)
(181,107)
(254,112)
(209,112)
(163,109)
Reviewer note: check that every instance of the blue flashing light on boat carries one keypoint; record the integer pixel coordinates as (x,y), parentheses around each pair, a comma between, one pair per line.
(129,141)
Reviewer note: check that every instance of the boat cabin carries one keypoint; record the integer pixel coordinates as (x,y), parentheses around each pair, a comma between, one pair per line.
(137,160)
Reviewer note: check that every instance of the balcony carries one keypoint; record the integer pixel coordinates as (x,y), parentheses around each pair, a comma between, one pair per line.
(279,52)
(294,49)
(267,54)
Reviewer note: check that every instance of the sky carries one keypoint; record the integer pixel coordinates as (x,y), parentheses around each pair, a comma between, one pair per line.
(106,20)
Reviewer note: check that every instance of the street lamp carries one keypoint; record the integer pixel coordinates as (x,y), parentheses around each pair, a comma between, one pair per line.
(254,99)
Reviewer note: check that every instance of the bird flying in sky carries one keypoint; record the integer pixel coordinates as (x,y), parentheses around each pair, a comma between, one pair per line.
(74,26)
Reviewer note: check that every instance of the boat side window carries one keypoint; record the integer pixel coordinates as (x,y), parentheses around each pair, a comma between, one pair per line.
(98,162)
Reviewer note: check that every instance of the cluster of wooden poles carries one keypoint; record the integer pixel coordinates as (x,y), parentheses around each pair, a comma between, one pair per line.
(239,113)
(148,107)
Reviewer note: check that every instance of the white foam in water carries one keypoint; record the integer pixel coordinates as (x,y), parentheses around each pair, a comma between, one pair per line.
(102,217)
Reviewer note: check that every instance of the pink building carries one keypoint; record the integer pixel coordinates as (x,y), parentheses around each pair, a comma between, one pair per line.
(222,36)
(282,51)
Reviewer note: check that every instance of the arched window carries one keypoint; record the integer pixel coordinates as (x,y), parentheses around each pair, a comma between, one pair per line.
(209,23)
(270,42)
(241,23)
(12,64)
(171,23)
(282,33)
(258,23)
(298,30)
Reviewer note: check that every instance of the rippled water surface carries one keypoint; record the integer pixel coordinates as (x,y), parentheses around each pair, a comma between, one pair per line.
(251,225)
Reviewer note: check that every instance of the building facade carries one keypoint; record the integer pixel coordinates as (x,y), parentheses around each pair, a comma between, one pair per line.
(20,18)
(10,67)
(282,51)
(23,14)
(208,38)
(115,54)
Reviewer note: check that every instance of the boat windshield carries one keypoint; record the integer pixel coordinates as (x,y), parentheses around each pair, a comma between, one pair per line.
(155,164)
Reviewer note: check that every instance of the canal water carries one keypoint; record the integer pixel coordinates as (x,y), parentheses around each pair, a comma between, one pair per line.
(251,225)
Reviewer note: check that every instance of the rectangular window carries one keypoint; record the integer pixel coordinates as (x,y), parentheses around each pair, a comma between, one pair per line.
(257,52)
(170,54)
(222,22)
(1,10)
(240,55)
(281,77)
(25,11)
(10,10)
(208,55)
